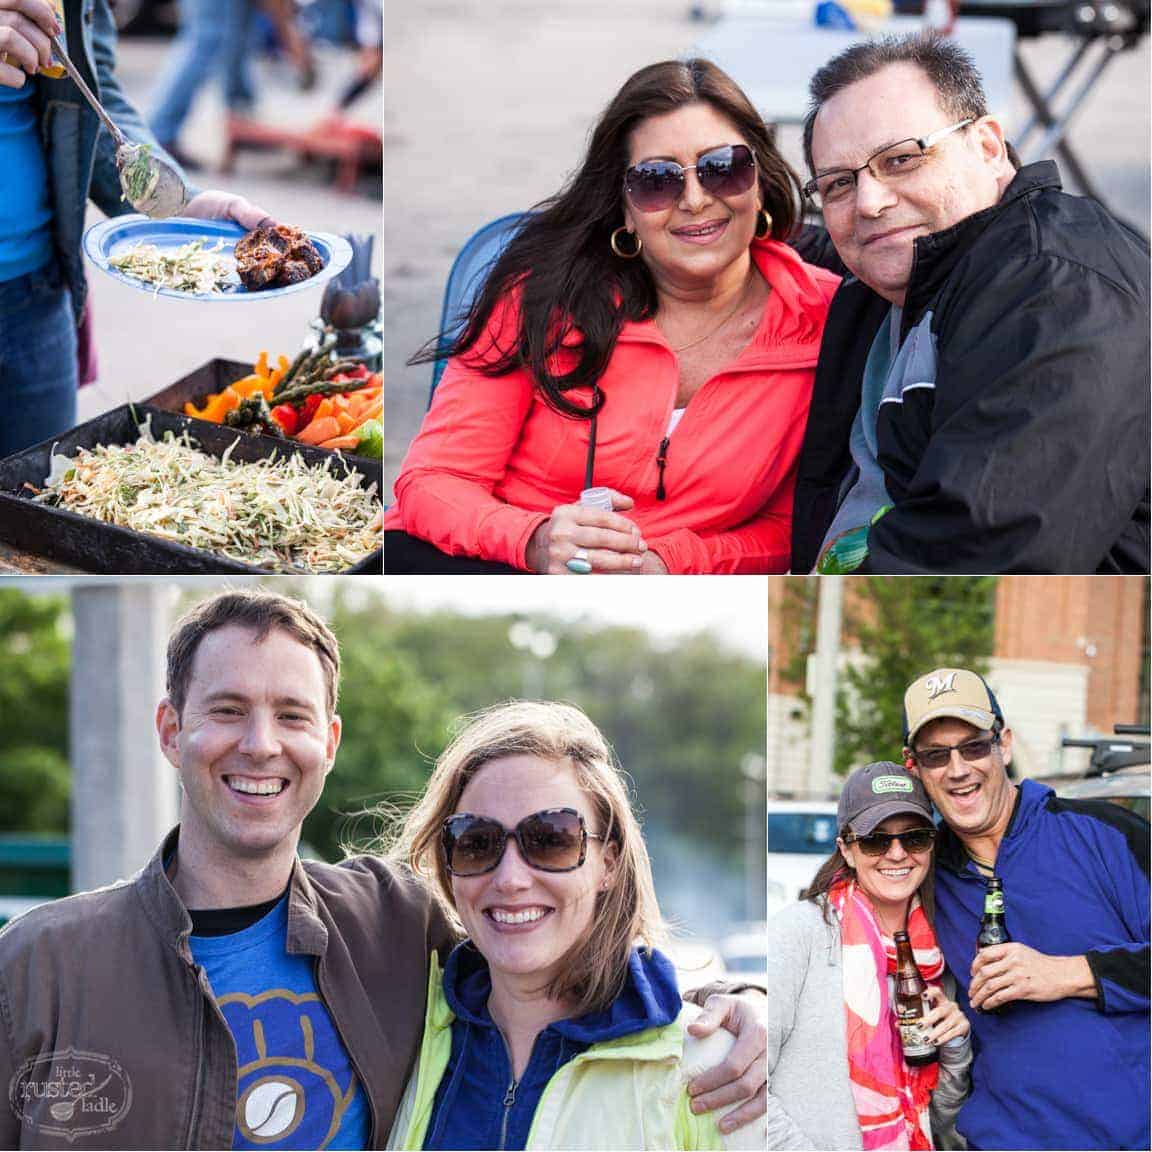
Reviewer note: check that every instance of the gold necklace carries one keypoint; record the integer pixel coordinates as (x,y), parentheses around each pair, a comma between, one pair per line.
(708,335)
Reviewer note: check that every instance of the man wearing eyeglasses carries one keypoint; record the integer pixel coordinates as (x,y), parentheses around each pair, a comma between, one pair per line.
(1059,1015)
(982,398)
(231,995)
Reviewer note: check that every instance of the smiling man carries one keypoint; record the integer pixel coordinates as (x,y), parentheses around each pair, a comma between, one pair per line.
(982,398)
(231,995)
(1059,1015)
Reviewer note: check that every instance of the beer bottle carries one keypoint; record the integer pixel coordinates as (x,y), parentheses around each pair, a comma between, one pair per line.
(992,929)
(911,1005)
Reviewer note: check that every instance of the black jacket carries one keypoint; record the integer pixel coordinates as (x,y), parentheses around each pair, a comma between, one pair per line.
(1024,447)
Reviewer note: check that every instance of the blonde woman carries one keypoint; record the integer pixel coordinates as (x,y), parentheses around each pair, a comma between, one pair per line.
(557,1024)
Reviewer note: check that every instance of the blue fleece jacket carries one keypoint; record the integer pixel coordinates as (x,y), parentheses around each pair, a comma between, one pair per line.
(1071,1073)
(478,1104)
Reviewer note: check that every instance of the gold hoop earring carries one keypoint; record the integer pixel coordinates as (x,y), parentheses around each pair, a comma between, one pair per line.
(763,223)
(615,243)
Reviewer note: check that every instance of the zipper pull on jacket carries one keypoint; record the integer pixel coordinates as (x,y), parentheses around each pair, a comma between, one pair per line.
(661,463)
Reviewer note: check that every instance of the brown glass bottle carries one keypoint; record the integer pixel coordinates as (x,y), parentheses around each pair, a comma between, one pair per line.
(911,1005)
(993,930)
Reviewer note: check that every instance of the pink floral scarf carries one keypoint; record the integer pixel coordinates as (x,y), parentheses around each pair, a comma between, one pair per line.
(891,1097)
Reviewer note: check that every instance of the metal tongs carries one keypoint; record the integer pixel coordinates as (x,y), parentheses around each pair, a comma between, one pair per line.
(163,193)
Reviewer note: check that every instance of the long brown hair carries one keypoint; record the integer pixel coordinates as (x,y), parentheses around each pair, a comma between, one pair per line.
(560,260)
(626,913)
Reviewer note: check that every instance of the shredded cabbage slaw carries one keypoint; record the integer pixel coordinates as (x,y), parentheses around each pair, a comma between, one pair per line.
(278,513)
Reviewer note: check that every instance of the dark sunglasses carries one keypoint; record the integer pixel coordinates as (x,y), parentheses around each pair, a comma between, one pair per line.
(554,840)
(970,750)
(878,843)
(653,185)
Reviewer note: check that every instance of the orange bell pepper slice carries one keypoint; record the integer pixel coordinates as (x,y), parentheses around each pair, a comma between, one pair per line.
(320,429)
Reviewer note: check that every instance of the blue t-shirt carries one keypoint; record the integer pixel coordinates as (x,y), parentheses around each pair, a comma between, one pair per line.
(296,1087)
(25,214)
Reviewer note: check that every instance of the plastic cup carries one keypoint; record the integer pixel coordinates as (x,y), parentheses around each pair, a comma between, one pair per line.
(596,498)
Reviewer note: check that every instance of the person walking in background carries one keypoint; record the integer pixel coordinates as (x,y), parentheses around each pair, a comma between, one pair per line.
(55,156)
(1060,1014)
(837,1075)
(217,39)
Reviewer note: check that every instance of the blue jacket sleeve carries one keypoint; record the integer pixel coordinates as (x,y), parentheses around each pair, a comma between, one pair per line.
(105,189)
(1122,970)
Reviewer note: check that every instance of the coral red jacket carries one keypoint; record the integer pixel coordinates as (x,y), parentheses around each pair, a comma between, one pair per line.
(493,459)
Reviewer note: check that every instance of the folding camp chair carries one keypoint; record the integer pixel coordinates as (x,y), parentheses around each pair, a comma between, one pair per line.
(469,271)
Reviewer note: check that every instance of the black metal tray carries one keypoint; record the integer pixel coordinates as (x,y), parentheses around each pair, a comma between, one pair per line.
(197,386)
(94,546)
(214,376)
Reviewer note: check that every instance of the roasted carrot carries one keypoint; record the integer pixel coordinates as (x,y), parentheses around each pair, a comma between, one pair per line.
(343,443)
(320,429)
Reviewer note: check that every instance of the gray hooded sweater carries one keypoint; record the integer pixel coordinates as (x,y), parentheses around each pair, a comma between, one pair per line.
(810,1103)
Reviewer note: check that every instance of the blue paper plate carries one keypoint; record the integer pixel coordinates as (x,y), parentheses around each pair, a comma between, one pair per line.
(112,237)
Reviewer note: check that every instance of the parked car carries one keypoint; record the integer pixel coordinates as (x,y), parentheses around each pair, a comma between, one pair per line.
(801,835)
(745,951)
(1118,772)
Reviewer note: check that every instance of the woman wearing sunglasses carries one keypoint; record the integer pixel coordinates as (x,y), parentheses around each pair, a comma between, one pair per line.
(837,1077)
(646,331)
(557,1024)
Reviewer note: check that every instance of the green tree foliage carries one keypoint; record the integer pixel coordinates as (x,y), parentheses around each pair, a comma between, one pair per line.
(904,628)
(681,716)
(390,711)
(34,656)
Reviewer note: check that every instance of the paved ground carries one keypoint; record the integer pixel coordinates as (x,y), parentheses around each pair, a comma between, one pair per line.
(145,343)
(488,105)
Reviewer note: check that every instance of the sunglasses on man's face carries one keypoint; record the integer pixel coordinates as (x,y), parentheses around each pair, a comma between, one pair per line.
(653,185)
(939,756)
(554,840)
(878,843)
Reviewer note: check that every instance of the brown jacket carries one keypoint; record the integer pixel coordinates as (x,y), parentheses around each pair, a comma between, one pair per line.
(110,1037)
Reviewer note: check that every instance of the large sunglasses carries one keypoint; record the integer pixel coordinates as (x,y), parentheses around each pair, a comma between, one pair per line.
(878,843)
(554,840)
(971,751)
(653,185)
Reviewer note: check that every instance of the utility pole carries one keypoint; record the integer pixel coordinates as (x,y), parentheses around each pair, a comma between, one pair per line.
(124,793)
(822,682)
(754,770)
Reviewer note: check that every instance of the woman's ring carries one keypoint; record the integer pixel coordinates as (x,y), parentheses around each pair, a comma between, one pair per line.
(580,564)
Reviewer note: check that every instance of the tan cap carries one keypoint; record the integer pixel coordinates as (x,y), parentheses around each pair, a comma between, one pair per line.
(953,692)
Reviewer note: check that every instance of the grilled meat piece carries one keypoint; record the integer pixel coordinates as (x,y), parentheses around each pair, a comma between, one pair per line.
(274,256)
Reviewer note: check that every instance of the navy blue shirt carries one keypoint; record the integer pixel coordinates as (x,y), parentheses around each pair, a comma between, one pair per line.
(296,1087)
(1069,1073)
(478,1104)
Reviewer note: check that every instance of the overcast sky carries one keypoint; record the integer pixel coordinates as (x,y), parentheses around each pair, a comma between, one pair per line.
(734,608)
